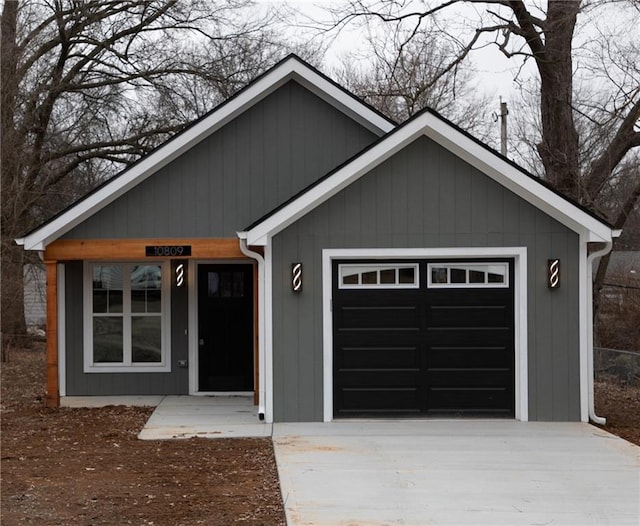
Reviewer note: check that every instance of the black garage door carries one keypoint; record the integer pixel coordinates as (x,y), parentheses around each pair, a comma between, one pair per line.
(423,338)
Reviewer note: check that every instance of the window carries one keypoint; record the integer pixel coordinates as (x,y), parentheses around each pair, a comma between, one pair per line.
(391,275)
(126,317)
(466,275)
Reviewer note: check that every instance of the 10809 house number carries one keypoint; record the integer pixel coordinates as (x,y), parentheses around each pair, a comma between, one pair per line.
(167,250)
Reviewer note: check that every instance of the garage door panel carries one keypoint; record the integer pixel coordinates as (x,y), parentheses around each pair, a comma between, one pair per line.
(464,336)
(383,317)
(472,356)
(380,378)
(379,401)
(385,358)
(455,316)
(470,377)
(452,400)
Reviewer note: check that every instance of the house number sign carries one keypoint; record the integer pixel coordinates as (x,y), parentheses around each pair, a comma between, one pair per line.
(167,250)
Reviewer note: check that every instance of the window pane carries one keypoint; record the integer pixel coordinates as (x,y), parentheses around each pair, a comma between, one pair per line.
(213,284)
(370,278)
(107,288)
(388,276)
(238,284)
(145,280)
(458,275)
(100,300)
(475,276)
(350,279)
(107,339)
(407,275)
(226,284)
(495,278)
(438,275)
(146,339)
(138,300)
(115,301)
(154,301)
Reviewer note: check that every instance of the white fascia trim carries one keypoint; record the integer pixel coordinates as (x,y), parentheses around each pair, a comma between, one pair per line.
(147,166)
(520,309)
(460,145)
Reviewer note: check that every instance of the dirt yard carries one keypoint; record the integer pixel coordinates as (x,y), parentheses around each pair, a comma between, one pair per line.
(86,466)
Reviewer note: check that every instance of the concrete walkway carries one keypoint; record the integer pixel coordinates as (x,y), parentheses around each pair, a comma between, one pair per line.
(206,417)
(456,473)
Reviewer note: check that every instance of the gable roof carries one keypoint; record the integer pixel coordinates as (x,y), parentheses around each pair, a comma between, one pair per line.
(290,68)
(432,125)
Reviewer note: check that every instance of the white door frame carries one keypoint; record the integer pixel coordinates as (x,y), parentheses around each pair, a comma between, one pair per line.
(193,324)
(519,254)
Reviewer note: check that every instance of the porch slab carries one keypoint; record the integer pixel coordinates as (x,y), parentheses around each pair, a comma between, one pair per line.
(205,417)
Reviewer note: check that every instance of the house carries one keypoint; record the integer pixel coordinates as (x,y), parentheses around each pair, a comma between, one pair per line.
(297,245)
(35,313)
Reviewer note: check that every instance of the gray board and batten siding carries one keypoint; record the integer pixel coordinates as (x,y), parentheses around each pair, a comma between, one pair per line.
(239,173)
(426,197)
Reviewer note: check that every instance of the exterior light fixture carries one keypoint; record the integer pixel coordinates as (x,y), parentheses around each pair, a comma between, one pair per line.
(296,278)
(180,275)
(553,273)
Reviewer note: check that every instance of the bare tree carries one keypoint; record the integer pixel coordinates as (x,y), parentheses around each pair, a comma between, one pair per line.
(90,86)
(401,76)
(587,145)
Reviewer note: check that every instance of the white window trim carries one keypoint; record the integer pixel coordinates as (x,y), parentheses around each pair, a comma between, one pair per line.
(161,367)
(519,255)
(378,267)
(467,266)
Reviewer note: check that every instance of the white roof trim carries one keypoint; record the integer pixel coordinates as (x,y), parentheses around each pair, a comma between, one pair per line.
(288,69)
(460,144)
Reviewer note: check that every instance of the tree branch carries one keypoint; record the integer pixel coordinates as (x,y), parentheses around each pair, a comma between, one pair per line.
(625,139)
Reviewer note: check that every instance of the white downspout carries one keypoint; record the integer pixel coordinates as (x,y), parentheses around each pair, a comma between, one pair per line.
(590,368)
(261,334)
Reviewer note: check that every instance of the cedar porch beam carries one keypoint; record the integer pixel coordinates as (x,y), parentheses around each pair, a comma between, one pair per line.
(53,387)
(134,249)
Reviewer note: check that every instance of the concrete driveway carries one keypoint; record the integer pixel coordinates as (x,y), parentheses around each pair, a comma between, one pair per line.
(479,472)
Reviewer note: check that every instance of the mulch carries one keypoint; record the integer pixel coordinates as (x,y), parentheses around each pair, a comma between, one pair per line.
(86,466)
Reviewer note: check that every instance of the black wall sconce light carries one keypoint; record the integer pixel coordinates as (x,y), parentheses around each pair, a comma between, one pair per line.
(296,278)
(180,277)
(553,273)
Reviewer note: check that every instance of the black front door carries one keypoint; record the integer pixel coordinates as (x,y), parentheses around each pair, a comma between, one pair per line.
(225,327)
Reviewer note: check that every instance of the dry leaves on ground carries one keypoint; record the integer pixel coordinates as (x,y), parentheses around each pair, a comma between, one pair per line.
(87,467)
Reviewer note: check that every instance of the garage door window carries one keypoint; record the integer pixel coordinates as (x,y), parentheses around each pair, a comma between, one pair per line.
(404,276)
(467,275)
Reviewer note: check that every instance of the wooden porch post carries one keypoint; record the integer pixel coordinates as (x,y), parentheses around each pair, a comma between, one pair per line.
(53,388)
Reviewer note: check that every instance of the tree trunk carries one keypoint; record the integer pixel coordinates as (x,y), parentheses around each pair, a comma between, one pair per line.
(603,265)
(13,324)
(14,328)
(559,146)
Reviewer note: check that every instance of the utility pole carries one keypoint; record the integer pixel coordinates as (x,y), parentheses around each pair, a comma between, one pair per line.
(503,127)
